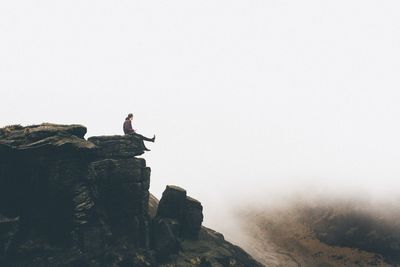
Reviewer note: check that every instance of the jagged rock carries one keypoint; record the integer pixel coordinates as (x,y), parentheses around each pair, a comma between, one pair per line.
(175,210)
(41,131)
(70,196)
(187,211)
(78,202)
(44,138)
(172,204)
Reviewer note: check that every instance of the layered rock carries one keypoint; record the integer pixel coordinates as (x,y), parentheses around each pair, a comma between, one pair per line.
(68,195)
(185,211)
(118,146)
(178,216)
(68,201)
(43,138)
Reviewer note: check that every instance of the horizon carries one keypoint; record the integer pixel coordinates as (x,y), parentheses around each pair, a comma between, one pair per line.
(247,100)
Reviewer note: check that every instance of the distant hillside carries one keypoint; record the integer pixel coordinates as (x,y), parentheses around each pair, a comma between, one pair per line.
(324,233)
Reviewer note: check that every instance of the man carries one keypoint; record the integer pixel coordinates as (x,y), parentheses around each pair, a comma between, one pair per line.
(129,130)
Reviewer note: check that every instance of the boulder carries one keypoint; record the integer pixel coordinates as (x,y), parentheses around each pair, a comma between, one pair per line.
(175,206)
(173,203)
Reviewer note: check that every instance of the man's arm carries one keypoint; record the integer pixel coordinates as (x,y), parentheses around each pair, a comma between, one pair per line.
(128,127)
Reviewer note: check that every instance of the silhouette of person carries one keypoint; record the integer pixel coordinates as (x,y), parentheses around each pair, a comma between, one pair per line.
(129,130)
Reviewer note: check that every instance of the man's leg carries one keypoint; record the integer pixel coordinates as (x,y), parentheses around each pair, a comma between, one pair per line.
(145,138)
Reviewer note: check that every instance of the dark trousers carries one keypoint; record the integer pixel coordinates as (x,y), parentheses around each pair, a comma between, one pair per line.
(142,137)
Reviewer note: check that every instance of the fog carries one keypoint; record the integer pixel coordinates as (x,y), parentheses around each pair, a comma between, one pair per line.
(248,99)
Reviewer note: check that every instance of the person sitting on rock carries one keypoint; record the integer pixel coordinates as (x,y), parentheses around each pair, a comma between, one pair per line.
(129,130)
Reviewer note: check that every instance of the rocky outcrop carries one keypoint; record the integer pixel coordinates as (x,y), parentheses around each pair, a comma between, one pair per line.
(44,138)
(71,203)
(178,217)
(118,146)
(185,211)
(68,201)
(205,248)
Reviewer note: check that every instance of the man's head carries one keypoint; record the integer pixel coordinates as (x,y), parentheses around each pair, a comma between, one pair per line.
(130,116)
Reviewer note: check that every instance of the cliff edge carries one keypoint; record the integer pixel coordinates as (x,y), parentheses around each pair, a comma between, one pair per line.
(68,201)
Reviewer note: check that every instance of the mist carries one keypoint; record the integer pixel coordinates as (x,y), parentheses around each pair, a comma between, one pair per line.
(249,101)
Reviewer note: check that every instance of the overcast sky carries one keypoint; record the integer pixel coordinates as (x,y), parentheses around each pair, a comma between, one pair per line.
(245,97)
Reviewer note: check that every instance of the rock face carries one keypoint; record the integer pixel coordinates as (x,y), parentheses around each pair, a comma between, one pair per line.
(184,210)
(178,216)
(68,201)
(118,146)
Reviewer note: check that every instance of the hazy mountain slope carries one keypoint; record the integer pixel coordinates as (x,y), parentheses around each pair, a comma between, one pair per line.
(323,233)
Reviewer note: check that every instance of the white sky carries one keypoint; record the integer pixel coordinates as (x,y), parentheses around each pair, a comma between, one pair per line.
(245,97)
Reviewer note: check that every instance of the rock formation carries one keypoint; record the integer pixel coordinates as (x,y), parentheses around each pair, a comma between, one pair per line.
(68,201)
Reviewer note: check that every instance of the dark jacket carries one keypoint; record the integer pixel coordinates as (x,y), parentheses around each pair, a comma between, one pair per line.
(128,127)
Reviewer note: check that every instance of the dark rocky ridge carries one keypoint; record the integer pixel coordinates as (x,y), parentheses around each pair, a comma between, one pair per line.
(68,201)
